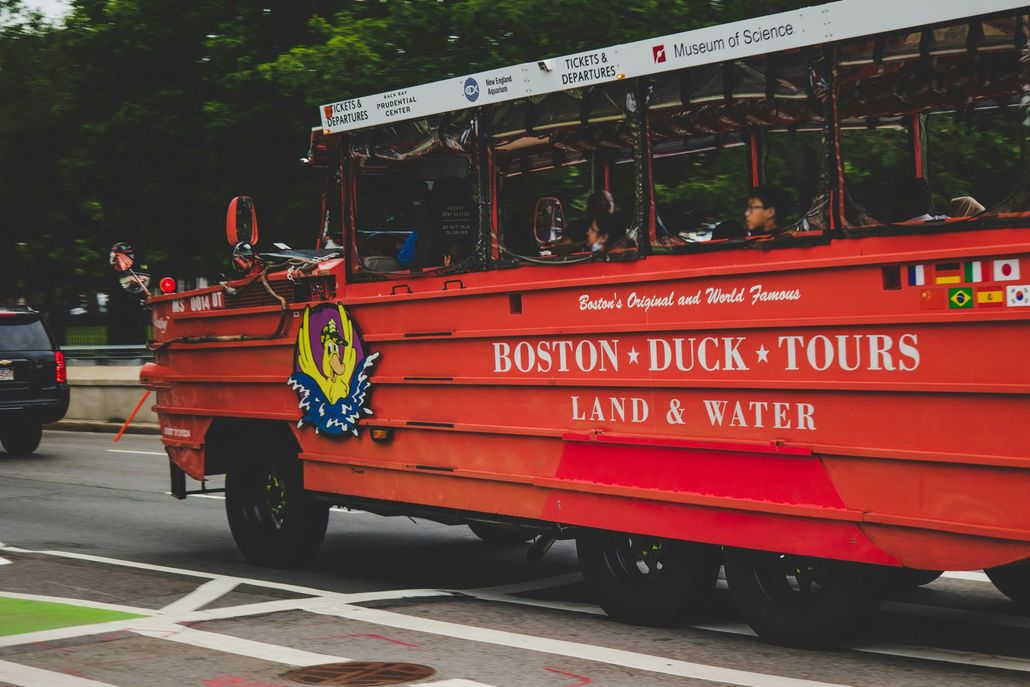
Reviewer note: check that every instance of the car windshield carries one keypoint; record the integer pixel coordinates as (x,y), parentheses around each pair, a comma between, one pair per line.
(20,334)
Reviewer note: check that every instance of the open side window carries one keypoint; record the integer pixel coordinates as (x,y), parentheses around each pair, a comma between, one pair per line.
(935,125)
(575,147)
(414,204)
(716,131)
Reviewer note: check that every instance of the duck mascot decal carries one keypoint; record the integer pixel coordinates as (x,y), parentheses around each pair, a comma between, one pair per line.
(331,372)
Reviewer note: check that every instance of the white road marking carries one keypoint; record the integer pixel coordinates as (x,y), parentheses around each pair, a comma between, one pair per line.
(359,597)
(955,614)
(334,603)
(588,652)
(4,561)
(886,648)
(138,453)
(83,603)
(200,597)
(925,653)
(69,632)
(572,606)
(533,585)
(28,676)
(235,645)
(971,575)
(339,510)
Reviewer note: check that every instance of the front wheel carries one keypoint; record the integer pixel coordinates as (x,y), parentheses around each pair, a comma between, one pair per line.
(1013,580)
(275,522)
(807,603)
(646,580)
(21,439)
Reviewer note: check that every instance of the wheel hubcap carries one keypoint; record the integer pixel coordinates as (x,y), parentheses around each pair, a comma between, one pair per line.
(275,499)
(791,580)
(635,559)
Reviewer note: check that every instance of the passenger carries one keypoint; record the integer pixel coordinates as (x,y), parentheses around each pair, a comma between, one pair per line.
(603,232)
(765,205)
(965,206)
(599,203)
(453,254)
(406,254)
(916,203)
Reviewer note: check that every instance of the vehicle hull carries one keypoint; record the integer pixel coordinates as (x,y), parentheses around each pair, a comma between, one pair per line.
(803,400)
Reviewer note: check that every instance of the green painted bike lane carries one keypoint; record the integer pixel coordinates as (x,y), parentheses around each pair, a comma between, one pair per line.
(18,616)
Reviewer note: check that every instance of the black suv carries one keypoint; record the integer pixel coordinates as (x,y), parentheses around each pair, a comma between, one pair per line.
(33,379)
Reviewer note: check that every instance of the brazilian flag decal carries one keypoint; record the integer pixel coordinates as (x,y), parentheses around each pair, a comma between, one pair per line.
(960,298)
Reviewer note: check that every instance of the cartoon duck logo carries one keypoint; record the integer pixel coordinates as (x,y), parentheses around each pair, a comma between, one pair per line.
(331,375)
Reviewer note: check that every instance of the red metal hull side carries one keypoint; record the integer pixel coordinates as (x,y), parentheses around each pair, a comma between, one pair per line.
(798,400)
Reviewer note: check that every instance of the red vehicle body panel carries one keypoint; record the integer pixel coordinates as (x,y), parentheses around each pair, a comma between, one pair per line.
(815,407)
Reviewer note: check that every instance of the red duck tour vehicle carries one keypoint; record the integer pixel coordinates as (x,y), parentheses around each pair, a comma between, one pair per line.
(753,296)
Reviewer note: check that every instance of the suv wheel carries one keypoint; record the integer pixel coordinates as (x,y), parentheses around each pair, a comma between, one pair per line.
(21,439)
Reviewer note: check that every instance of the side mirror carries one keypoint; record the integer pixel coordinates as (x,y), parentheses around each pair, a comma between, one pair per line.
(241,225)
(548,221)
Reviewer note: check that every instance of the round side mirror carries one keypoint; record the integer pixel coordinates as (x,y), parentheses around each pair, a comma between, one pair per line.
(241,225)
(122,257)
(548,221)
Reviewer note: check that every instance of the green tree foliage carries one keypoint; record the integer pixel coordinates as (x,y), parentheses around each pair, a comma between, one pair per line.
(139,119)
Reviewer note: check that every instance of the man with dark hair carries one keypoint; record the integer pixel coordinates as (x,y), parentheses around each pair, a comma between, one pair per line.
(603,232)
(766,206)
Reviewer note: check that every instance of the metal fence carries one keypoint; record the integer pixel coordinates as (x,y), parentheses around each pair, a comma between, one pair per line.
(107,355)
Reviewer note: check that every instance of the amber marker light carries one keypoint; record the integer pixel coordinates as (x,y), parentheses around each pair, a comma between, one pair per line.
(381,434)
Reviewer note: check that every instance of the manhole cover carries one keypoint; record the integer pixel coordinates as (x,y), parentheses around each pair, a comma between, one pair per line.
(360,673)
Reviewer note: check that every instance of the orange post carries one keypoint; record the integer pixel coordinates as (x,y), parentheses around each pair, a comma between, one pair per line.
(131,415)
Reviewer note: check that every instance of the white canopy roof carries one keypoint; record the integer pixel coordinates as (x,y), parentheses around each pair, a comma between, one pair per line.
(807,26)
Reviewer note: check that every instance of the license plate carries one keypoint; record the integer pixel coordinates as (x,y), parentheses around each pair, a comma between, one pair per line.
(6,374)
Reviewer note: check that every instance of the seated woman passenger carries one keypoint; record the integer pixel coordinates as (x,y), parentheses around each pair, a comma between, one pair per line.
(599,203)
(765,205)
(965,206)
(915,204)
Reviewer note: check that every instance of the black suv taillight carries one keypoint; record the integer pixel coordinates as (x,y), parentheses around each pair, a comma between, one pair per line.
(60,368)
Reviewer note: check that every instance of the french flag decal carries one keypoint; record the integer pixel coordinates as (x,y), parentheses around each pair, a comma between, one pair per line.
(916,275)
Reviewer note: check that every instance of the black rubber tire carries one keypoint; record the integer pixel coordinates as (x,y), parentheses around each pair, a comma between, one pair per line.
(635,582)
(841,596)
(1013,580)
(905,579)
(495,534)
(275,522)
(21,439)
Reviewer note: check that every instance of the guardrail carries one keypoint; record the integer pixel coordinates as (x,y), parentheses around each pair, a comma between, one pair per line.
(107,355)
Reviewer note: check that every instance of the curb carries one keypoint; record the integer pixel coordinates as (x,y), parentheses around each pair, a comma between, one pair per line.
(108,427)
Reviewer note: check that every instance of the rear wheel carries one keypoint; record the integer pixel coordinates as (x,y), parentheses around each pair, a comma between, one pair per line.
(21,439)
(647,580)
(496,534)
(1013,580)
(801,602)
(275,522)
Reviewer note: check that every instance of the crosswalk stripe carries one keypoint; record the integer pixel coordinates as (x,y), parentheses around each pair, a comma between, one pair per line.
(588,652)
(27,676)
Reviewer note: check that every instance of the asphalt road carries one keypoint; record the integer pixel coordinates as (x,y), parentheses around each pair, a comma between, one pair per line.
(89,521)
